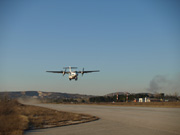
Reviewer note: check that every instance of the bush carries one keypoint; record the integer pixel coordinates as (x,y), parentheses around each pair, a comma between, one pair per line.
(11,122)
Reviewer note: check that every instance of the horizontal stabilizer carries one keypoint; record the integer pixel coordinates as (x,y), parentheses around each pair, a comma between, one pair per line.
(69,67)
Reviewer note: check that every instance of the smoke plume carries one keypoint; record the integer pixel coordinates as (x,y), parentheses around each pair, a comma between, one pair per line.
(157,83)
(163,84)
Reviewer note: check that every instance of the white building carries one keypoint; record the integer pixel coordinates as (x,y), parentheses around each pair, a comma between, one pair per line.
(146,99)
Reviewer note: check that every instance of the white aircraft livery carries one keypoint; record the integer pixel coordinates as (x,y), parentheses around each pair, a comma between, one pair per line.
(73,74)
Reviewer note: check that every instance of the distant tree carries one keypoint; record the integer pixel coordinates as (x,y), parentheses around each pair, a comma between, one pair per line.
(171,98)
(101,99)
(83,101)
(141,95)
(122,98)
(131,97)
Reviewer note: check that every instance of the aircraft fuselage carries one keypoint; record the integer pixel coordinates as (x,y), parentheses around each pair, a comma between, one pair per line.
(73,75)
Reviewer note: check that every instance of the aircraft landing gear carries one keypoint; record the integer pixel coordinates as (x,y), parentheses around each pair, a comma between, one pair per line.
(76,79)
(69,79)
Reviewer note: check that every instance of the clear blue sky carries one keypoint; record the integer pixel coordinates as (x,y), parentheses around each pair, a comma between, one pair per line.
(129,41)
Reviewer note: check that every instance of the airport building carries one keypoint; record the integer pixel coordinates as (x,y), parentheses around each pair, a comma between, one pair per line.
(146,99)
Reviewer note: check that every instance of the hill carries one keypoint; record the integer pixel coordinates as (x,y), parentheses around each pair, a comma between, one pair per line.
(42,95)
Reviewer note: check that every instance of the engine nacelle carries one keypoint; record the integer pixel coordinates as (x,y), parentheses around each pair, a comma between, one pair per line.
(63,73)
(82,73)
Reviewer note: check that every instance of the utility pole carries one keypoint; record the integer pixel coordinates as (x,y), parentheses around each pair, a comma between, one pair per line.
(117,97)
(127,98)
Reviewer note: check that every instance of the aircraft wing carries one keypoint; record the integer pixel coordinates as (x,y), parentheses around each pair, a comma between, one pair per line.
(89,71)
(58,72)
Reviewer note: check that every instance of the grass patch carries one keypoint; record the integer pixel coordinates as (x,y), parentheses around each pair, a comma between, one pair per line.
(16,117)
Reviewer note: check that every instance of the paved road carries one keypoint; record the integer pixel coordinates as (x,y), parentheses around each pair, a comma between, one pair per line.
(118,120)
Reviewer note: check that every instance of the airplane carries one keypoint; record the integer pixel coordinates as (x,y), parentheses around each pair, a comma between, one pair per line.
(73,74)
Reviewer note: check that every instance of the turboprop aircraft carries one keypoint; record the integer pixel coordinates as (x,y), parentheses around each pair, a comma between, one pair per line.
(72,74)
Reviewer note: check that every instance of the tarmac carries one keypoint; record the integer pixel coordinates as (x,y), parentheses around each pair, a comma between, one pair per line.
(116,120)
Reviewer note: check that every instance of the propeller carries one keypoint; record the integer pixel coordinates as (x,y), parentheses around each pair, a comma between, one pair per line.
(82,72)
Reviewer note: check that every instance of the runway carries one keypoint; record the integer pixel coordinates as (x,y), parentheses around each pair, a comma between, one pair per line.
(117,120)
